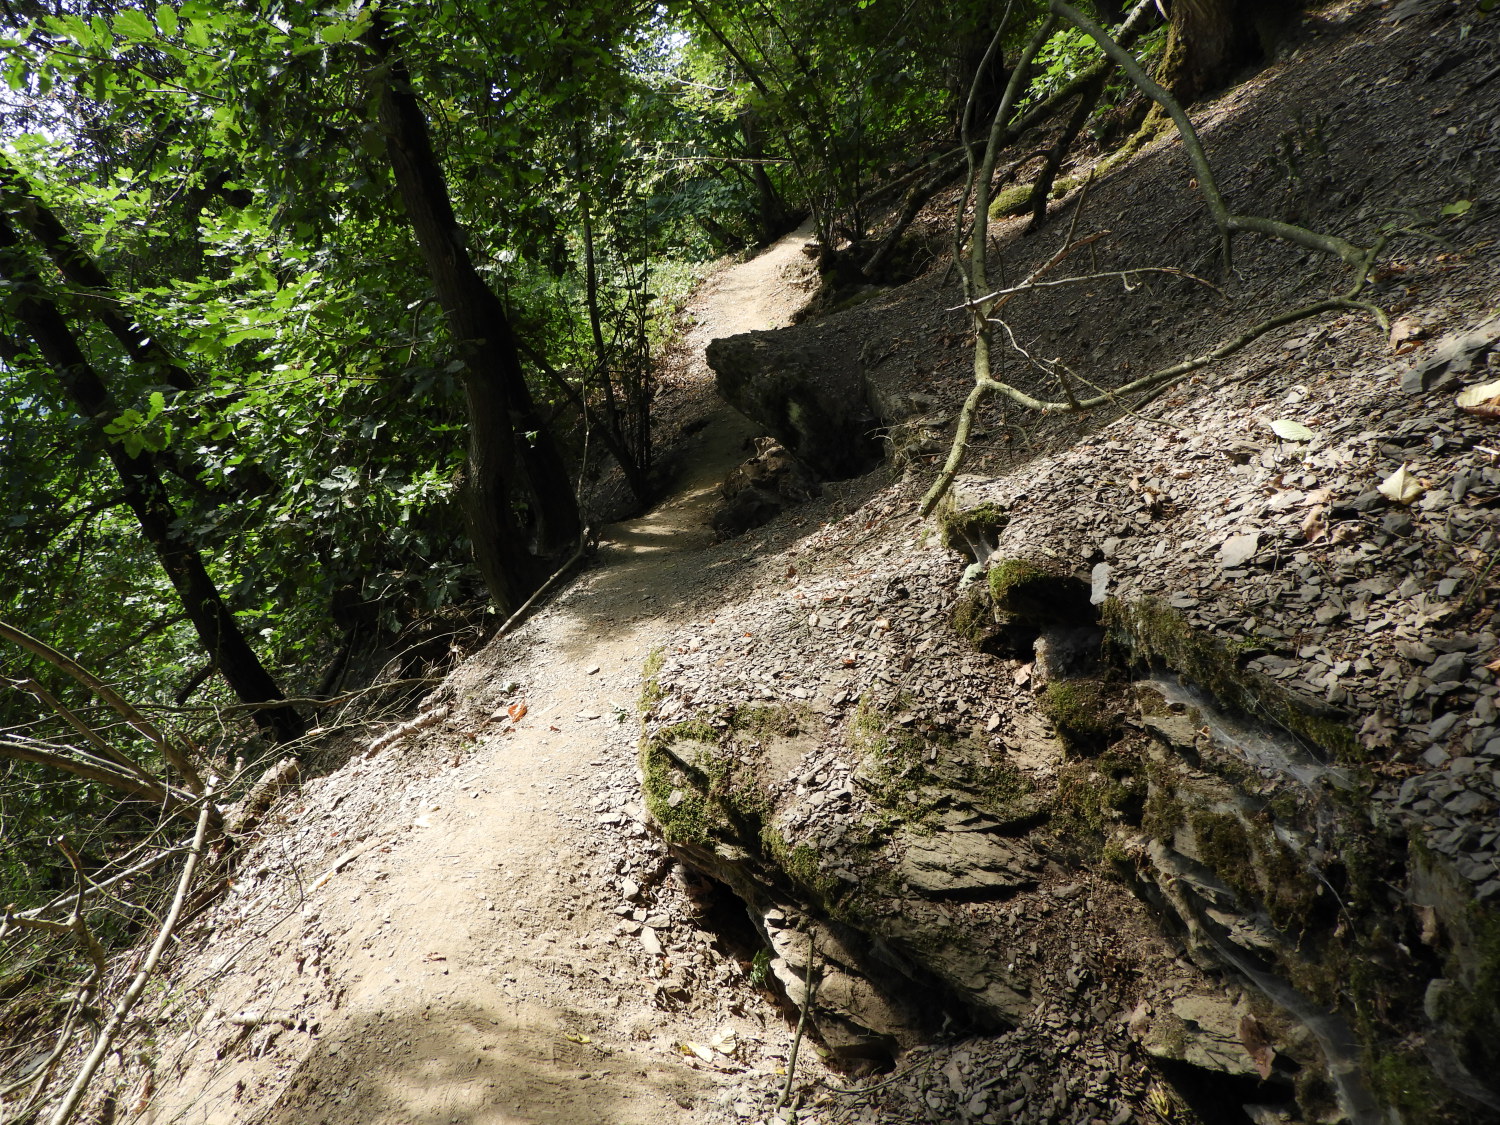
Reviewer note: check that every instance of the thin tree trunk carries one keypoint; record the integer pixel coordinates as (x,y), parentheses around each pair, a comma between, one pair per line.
(83,273)
(505,429)
(771,209)
(146,495)
(1042,189)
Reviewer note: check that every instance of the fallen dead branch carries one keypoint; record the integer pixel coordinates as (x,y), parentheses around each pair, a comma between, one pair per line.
(81,763)
(176,755)
(404,730)
(983,302)
(107,1035)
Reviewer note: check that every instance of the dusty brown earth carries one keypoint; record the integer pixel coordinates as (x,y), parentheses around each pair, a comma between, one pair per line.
(470,925)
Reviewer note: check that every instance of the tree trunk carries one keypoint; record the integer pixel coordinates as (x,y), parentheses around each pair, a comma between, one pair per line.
(772,215)
(969,55)
(1210,39)
(505,430)
(146,495)
(85,276)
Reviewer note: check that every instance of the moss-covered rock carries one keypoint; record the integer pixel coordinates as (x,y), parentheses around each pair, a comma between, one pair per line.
(973,531)
(1085,713)
(1151,634)
(1039,593)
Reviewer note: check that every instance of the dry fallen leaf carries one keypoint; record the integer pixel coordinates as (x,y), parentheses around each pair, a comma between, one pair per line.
(1401,487)
(1405,332)
(1483,399)
(1314,527)
(1257,1045)
(516,711)
(1288,430)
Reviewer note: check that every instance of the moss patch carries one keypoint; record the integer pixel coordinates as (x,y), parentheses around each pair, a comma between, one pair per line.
(681,772)
(1093,799)
(651,692)
(1039,594)
(961,530)
(971,617)
(1251,859)
(900,778)
(1153,634)
(1085,713)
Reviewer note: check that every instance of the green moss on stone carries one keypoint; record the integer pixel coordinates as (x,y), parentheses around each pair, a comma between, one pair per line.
(651,693)
(1032,592)
(1093,799)
(802,864)
(971,617)
(695,773)
(767,721)
(960,529)
(1153,633)
(1083,711)
(1253,861)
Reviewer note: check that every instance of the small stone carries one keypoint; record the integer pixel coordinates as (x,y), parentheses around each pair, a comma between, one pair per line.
(1453,666)
(1465,803)
(1442,725)
(1416,651)
(1238,549)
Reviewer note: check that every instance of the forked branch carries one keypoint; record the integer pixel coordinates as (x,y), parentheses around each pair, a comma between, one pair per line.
(982,302)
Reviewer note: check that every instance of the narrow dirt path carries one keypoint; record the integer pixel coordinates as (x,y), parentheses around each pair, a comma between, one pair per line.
(486,938)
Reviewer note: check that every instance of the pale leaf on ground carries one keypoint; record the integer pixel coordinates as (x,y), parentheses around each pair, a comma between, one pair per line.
(1401,487)
(1288,430)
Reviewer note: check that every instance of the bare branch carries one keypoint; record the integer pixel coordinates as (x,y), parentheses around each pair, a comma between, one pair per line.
(1103,275)
(74,760)
(69,1105)
(1227,222)
(143,726)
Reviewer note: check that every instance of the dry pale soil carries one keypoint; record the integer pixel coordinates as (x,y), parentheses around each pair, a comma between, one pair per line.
(473,925)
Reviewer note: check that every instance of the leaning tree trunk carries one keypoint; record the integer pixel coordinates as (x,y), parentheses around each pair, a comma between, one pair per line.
(146,495)
(505,429)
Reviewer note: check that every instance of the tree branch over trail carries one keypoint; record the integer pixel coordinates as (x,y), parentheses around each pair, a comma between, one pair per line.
(982,302)
(1227,222)
(174,754)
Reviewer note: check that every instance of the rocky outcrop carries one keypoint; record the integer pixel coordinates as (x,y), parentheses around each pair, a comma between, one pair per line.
(904,843)
(805,391)
(758,490)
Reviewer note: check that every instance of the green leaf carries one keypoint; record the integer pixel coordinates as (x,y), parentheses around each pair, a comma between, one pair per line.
(166,19)
(71,27)
(158,403)
(133,23)
(1458,207)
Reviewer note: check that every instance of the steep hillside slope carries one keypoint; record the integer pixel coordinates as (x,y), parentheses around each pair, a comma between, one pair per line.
(1222,670)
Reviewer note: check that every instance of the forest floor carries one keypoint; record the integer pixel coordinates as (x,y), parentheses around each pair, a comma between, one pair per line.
(470,926)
